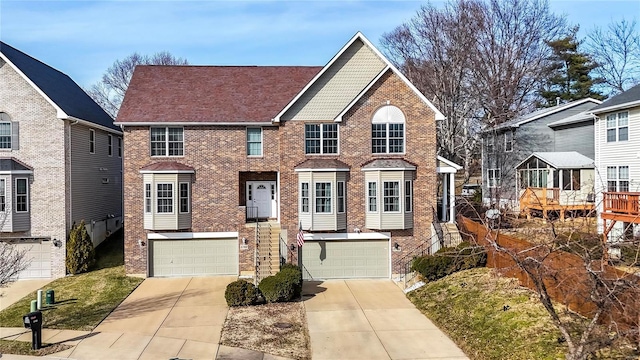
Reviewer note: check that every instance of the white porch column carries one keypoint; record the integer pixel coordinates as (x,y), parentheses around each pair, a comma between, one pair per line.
(445,190)
(452,198)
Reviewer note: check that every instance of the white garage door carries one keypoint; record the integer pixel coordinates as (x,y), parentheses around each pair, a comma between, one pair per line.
(345,259)
(39,257)
(193,257)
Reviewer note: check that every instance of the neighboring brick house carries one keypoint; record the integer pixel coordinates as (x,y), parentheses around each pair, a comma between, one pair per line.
(60,162)
(346,151)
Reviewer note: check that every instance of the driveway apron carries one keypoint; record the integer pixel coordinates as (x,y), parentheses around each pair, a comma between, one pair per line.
(162,318)
(370,319)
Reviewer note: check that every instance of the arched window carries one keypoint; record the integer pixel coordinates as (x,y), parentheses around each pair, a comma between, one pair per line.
(5,131)
(387,131)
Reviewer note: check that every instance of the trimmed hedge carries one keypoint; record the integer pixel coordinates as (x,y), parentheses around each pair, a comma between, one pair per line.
(448,260)
(241,293)
(283,286)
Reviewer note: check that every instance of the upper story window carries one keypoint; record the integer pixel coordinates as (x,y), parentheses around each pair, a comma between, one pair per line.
(147,198)
(92,141)
(3,200)
(120,147)
(8,133)
(110,145)
(341,197)
(254,141)
(372,196)
(164,198)
(408,196)
(490,144)
(388,131)
(167,141)
(184,197)
(22,195)
(304,197)
(508,141)
(617,178)
(391,196)
(323,197)
(321,138)
(618,127)
(494,177)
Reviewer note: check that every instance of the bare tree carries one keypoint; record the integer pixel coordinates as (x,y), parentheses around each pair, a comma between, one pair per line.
(12,262)
(616,50)
(592,304)
(110,91)
(481,61)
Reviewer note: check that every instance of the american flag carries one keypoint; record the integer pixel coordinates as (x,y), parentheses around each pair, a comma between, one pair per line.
(300,237)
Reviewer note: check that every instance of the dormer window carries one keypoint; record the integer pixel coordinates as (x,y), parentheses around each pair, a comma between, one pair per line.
(388,131)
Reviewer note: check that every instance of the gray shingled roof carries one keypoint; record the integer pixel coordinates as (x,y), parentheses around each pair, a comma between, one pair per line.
(389,164)
(629,96)
(563,160)
(540,113)
(577,118)
(59,87)
(12,164)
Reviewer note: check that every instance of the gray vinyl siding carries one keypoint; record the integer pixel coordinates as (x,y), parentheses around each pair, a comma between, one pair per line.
(21,220)
(184,219)
(340,84)
(96,179)
(530,137)
(576,137)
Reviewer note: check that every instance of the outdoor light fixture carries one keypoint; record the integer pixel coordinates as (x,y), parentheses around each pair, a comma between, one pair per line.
(57,243)
(244,241)
(396,247)
(292,247)
(140,243)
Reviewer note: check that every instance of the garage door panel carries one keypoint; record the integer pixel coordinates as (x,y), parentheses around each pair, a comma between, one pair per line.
(193,257)
(345,259)
(39,257)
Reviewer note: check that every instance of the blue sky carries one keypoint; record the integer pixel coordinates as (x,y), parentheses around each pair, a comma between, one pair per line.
(82,38)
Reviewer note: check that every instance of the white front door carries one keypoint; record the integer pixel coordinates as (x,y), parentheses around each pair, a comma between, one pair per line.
(259,195)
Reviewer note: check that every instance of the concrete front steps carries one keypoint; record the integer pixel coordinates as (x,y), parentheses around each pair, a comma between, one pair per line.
(451,234)
(268,249)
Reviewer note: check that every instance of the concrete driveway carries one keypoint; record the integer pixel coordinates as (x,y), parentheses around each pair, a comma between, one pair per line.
(162,318)
(370,319)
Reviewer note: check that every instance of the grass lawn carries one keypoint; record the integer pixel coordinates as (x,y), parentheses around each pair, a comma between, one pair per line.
(24,348)
(470,307)
(82,301)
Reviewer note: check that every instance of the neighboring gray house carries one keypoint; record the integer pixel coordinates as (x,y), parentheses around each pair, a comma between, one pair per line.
(562,128)
(60,162)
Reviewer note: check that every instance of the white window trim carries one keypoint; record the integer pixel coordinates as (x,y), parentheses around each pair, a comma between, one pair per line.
(617,127)
(261,142)
(617,179)
(404,139)
(344,197)
(497,182)
(92,141)
(10,135)
(173,203)
(166,141)
(26,194)
(367,198)
(308,198)
(322,139)
(315,198)
(490,141)
(506,142)
(180,197)
(110,145)
(400,196)
(148,210)
(410,196)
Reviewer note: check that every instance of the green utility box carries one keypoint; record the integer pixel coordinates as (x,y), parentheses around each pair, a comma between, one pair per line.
(50,297)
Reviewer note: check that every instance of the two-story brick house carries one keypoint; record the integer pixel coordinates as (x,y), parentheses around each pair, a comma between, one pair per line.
(347,152)
(60,162)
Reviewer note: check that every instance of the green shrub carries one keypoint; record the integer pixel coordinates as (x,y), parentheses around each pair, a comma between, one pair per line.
(469,256)
(277,289)
(80,252)
(293,275)
(241,293)
(448,260)
(433,267)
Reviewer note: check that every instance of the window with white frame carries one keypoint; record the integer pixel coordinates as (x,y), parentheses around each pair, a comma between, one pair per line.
(323,197)
(184,197)
(570,179)
(372,196)
(147,198)
(340,197)
(408,195)
(254,141)
(490,142)
(388,131)
(3,192)
(321,138)
(22,195)
(618,178)
(304,197)
(92,141)
(618,127)
(167,141)
(391,196)
(110,145)
(508,141)
(164,198)
(493,176)
(120,147)
(5,135)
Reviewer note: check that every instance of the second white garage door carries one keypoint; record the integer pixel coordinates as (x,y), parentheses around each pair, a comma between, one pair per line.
(345,259)
(193,257)
(38,255)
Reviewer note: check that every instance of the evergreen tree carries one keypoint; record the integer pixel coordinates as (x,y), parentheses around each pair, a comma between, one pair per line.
(80,252)
(569,73)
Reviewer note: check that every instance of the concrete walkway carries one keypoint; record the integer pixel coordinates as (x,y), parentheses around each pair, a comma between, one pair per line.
(370,319)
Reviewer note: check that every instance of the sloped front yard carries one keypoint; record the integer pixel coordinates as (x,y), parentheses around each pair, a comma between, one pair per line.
(82,301)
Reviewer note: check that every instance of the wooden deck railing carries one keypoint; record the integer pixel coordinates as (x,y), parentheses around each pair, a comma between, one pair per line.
(621,202)
(540,196)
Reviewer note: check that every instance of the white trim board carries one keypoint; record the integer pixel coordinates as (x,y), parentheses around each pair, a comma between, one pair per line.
(346,236)
(192,235)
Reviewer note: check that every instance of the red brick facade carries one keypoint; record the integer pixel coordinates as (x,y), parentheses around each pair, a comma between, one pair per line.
(218,155)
